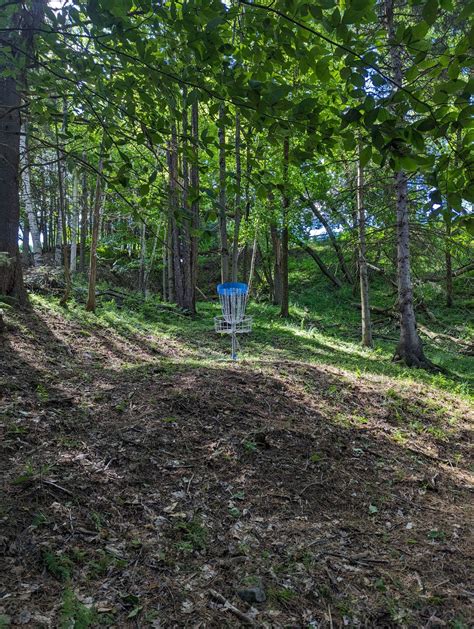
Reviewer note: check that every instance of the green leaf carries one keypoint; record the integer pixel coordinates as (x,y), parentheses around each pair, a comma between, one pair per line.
(430,11)
(322,69)
(365,155)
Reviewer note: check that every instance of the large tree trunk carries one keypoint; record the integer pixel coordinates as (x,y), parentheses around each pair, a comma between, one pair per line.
(28,195)
(409,349)
(363,274)
(91,302)
(284,311)
(238,210)
(11,278)
(224,247)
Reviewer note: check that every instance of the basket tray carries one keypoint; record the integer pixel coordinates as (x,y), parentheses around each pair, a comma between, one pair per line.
(223,327)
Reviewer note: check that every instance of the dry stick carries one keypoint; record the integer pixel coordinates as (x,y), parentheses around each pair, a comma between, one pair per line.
(228,605)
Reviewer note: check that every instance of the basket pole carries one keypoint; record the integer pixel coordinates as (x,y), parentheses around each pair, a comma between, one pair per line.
(234,343)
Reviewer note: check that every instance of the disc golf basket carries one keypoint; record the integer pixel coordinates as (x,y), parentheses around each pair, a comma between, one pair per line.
(233,321)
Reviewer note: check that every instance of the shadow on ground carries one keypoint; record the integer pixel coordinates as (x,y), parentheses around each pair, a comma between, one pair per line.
(137,483)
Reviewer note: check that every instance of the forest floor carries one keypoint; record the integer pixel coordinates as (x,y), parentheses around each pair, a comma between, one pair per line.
(149,483)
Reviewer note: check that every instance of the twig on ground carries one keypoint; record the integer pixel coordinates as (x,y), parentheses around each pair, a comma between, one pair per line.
(234,610)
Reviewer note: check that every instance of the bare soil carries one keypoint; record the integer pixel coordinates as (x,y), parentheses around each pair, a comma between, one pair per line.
(140,490)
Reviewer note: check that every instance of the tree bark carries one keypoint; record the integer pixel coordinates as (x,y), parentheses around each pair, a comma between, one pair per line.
(238,200)
(284,311)
(449,261)
(277,272)
(11,277)
(28,196)
(223,199)
(84,221)
(324,269)
(74,221)
(91,302)
(62,213)
(363,274)
(409,349)
(325,223)
(26,243)
(141,272)
(194,180)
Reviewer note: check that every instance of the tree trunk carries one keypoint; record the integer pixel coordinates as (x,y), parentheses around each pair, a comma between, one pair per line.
(324,269)
(363,274)
(28,196)
(449,262)
(11,277)
(276,244)
(141,272)
(91,302)
(194,174)
(62,213)
(284,311)
(322,219)
(248,172)
(84,221)
(409,349)
(237,211)
(26,243)
(222,198)
(74,221)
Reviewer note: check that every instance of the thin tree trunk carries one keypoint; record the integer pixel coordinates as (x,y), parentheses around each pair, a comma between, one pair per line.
(276,244)
(252,259)
(322,219)
(324,269)
(62,211)
(449,261)
(74,221)
(248,172)
(284,311)
(363,274)
(409,349)
(141,272)
(194,174)
(26,243)
(189,287)
(91,302)
(28,195)
(149,266)
(84,221)
(238,210)
(223,198)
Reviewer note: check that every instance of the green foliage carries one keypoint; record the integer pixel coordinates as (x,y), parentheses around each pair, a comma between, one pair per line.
(193,535)
(74,614)
(59,565)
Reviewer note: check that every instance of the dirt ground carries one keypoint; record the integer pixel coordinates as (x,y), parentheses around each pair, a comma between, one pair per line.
(140,490)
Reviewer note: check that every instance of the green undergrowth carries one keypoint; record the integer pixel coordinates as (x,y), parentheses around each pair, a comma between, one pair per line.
(323,328)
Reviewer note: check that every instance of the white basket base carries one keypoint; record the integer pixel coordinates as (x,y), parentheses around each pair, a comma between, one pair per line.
(224,327)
